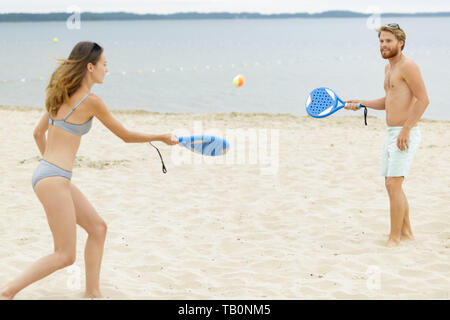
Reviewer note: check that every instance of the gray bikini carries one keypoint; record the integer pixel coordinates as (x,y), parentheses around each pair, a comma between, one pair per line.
(46,169)
(77,129)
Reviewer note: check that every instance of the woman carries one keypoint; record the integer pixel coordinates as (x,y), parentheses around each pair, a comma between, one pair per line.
(70,108)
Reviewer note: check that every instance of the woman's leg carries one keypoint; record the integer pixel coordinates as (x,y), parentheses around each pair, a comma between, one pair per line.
(55,196)
(88,218)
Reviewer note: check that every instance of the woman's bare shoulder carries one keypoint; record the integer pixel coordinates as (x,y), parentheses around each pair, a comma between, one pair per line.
(94,98)
(95,102)
(97,107)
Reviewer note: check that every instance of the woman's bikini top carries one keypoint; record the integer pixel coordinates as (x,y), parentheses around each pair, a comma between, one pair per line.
(77,129)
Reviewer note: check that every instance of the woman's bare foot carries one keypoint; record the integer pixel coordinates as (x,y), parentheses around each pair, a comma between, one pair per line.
(93,295)
(5,295)
(391,243)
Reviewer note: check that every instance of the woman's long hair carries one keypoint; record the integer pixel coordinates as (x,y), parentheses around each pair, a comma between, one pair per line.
(67,77)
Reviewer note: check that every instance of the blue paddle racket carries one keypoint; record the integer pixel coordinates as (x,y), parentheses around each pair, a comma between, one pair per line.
(202,144)
(323,102)
(205,145)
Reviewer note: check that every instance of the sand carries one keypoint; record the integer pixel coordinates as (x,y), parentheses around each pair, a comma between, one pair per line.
(307,218)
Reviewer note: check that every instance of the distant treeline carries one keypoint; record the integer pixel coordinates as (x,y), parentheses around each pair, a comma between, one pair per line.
(62,16)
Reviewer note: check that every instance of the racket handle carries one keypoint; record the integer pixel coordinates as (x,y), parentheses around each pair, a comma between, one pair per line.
(359,105)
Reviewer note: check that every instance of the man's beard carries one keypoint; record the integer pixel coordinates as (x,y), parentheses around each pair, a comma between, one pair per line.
(392,53)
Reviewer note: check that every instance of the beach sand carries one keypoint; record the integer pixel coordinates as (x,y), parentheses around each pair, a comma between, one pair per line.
(311,223)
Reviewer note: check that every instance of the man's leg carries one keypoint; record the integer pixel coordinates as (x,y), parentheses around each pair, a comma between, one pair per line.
(407,233)
(398,209)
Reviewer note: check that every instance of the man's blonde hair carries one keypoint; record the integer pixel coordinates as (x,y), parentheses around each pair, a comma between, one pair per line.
(399,34)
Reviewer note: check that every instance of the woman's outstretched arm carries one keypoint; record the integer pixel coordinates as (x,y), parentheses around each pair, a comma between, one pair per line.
(101,112)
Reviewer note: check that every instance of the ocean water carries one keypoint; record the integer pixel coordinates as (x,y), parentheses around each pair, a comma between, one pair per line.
(188,65)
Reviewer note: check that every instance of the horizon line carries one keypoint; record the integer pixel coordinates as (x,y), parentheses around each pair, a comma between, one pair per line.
(230,12)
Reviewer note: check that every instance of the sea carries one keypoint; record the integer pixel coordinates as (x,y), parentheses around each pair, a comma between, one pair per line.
(188,66)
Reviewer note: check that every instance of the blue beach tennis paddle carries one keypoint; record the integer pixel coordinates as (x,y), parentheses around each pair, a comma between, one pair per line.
(202,144)
(205,145)
(323,102)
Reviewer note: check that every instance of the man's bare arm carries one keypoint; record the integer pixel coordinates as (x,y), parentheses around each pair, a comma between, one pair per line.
(413,78)
(377,104)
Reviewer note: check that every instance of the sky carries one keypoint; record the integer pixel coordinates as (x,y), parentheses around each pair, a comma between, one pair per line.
(260,6)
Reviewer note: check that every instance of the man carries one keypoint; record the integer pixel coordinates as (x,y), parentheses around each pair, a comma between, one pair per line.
(405,102)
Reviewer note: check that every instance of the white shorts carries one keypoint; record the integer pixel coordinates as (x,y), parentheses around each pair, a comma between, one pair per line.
(396,163)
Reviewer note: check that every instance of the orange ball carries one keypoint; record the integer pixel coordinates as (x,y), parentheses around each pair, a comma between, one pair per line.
(238,81)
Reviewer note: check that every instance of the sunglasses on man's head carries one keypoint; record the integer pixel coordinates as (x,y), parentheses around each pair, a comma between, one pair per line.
(393,25)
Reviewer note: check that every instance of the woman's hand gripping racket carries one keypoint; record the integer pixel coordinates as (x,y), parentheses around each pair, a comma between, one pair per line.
(203,144)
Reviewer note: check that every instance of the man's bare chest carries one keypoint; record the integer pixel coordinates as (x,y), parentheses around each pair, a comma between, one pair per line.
(394,81)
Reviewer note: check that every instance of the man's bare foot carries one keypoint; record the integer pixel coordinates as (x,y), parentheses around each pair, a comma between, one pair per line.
(391,243)
(407,236)
(93,295)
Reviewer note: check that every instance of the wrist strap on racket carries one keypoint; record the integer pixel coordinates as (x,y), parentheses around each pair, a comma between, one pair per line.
(164,170)
(365,115)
